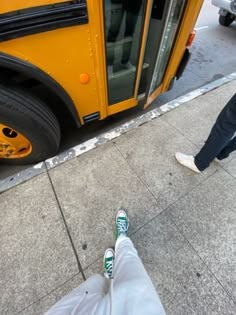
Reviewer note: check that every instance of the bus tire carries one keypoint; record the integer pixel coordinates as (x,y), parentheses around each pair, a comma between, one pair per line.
(226,20)
(31,123)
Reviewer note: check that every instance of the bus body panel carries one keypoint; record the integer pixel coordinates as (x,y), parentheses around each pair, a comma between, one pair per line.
(8,6)
(65,55)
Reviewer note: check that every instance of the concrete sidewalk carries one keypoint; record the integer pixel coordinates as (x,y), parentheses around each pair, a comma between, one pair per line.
(55,227)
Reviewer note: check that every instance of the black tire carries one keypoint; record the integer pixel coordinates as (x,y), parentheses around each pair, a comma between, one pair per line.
(226,20)
(31,117)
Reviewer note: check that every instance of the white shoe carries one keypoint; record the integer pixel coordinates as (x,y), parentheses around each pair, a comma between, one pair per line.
(187,161)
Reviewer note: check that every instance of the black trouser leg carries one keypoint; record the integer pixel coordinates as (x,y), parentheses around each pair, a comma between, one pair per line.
(231,146)
(220,136)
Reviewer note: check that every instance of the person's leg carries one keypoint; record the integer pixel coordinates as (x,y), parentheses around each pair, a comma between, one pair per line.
(83,299)
(220,135)
(231,146)
(133,291)
(128,266)
(132,285)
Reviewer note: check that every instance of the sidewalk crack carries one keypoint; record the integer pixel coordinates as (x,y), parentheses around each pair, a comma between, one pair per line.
(229,172)
(67,229)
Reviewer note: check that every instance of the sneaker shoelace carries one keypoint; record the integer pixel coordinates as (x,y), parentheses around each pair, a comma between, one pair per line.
(109,267)
(122,225)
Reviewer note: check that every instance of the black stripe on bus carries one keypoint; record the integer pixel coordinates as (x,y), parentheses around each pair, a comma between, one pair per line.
(42,19)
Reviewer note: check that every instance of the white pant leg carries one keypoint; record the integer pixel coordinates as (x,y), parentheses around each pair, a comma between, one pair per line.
(84,299)
(133,291)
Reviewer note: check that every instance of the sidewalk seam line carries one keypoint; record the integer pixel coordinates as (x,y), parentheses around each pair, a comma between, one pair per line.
(165,211)
(67,229)
(46,295)
(162,210)
(228,173)
(133,171)
(208,268)
(167,207)
(198,147)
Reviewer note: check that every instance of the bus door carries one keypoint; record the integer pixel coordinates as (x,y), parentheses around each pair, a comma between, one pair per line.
(139,37)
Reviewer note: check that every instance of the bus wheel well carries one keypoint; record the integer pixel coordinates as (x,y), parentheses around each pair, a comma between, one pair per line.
(40,90)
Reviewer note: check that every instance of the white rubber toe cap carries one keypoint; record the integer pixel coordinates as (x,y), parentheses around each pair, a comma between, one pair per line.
(187,161)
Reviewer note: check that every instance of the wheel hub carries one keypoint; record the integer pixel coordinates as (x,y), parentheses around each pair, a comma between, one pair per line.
(13,144)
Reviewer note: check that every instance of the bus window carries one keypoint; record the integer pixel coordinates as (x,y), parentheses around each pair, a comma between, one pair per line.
(165,20)
(153,42)
(168,39)
(163,27)
(123,25)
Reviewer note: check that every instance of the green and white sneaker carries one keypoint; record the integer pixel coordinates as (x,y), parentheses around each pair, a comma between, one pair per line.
(108,263)
(122,223)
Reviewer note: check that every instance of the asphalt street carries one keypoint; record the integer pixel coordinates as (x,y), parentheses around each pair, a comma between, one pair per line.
(213,56)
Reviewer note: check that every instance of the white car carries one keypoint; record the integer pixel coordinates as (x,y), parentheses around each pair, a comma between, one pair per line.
(227,11)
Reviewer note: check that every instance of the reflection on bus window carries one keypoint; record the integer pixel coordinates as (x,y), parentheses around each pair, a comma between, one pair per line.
(124,24)
(164,24)
(174,16)
(129,10)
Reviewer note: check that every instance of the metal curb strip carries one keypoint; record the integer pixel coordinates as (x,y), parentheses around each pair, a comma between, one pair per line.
(86,146)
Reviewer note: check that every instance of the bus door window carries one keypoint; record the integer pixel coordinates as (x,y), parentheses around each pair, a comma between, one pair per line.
(165,20)
(155,31)
(173,20)
(124,26)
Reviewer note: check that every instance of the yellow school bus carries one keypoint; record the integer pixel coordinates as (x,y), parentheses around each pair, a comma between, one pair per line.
(81,61)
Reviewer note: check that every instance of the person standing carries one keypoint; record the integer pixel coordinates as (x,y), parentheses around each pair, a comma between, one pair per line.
(125,289)
(220,143)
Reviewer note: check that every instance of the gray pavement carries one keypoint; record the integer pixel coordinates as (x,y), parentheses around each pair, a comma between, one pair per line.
(55,227)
